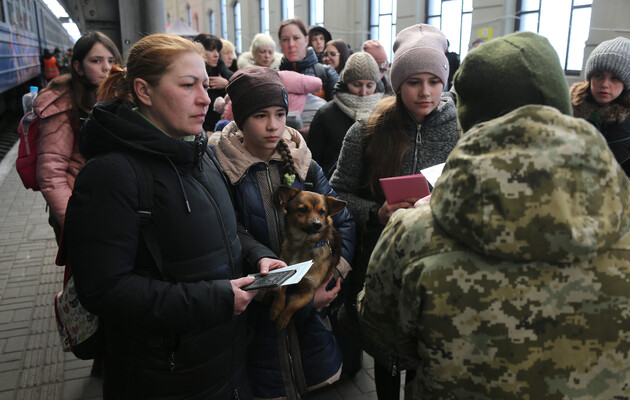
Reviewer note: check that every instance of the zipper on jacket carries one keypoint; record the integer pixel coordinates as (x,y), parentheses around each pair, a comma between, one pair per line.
(236,394)
(275,212)
(417,148)
(223,229)
(291,366)
(171,361)
(200,151)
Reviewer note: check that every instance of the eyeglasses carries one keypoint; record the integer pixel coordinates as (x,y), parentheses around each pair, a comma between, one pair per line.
(331,54)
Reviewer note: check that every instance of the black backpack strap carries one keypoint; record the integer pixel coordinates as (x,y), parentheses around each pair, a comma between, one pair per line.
(145,209)
(311,176)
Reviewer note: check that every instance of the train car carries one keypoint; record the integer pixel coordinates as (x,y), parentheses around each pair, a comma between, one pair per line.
(27,27)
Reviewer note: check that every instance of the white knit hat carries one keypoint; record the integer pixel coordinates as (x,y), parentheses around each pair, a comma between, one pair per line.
(612,56)
(419,48)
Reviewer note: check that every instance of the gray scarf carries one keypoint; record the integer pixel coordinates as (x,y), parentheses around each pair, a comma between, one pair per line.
(357,107)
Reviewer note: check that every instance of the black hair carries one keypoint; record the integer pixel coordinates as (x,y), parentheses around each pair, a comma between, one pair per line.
(289,164)
(209,42)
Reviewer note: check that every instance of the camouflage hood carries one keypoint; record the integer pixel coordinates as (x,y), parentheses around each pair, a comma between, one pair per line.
(533,185)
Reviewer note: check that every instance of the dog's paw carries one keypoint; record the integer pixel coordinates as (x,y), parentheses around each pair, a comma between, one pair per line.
(282,322)
(274,312)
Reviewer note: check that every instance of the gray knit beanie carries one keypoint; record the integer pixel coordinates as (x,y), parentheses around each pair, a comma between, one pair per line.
(419,48)
(612,56)
(358,67)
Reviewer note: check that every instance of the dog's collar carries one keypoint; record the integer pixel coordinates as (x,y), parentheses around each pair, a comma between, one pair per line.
(320,244)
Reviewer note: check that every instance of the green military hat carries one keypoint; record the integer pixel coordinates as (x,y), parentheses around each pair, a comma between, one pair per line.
(507,73)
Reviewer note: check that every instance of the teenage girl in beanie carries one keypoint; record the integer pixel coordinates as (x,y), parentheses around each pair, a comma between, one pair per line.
(408,132)
(259,154)
(604,99)
(355,98)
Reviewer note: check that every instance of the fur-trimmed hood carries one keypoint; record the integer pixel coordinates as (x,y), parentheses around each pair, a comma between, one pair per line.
(246,60)
(584,105)
(236,160)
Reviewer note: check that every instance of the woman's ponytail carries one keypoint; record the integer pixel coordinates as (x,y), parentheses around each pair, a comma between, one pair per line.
(114,86)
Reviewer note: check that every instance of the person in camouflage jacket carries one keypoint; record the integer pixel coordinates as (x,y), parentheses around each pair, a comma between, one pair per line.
(514,281)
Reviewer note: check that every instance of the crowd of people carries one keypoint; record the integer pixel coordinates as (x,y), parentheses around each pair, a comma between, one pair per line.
(511,279)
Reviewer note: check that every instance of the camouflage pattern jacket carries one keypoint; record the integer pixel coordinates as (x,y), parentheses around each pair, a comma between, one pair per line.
(515,281)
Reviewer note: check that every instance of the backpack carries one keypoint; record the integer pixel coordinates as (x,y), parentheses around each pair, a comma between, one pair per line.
(26,162)
(79,330)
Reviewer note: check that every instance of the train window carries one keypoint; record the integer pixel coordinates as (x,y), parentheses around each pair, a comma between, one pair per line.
(11,19)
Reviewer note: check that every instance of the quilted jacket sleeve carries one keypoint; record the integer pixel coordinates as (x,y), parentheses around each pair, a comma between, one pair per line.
(55,146)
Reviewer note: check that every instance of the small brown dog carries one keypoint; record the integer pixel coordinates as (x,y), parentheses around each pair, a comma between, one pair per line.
(309,235)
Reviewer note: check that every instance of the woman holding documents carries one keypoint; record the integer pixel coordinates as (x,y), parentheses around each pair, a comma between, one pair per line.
(259,153)
(153,241)
(406,133)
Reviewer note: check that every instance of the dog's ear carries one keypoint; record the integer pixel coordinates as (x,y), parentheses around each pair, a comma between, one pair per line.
(284,194)
(334,205)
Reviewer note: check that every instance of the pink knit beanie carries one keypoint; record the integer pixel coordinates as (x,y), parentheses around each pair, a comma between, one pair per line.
(419,48)
(376,50)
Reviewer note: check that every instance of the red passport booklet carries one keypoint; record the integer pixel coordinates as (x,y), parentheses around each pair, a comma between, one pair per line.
(399,188)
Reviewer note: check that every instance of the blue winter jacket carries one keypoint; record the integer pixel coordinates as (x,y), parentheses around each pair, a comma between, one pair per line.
(305,355)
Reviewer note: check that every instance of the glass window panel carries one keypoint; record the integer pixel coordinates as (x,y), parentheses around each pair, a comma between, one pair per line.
(385,6)
(554,24)
(264,16)
(374,31)
(223,19)
(435,7)
(374,12)
(579,35)
(466,28)
(435,21)
(530,5)
(451,20)
(583,3)
(468,6)
(237,25)
(385,22)
(389,46)
(289,9)
(320,12)
(529,22)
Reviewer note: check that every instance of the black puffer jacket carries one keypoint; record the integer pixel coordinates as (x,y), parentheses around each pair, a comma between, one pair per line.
(170,335)
(212,117)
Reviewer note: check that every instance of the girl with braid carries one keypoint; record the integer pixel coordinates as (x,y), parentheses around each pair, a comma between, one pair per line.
(259,153)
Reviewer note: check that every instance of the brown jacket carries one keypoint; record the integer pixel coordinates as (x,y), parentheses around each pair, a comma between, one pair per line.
(59,159)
